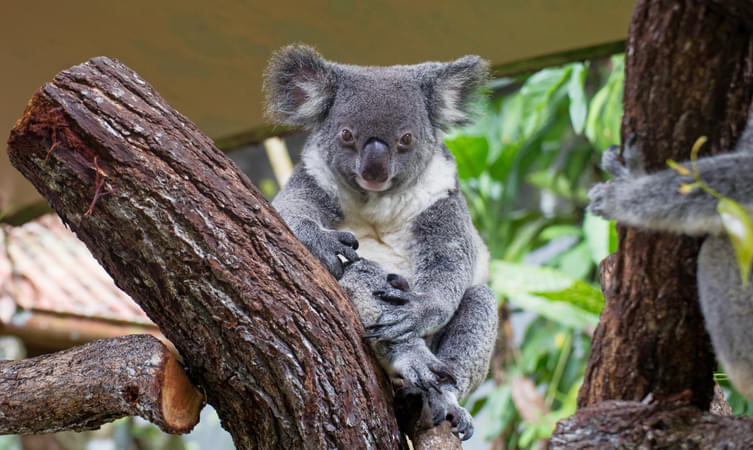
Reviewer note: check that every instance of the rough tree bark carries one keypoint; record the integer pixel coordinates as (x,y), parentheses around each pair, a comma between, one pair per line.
(86,386)
(689,73)
(262,326)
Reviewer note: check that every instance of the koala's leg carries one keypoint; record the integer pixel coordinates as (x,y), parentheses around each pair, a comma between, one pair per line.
(408,362)
(728,311)
(654,201)
(465,344)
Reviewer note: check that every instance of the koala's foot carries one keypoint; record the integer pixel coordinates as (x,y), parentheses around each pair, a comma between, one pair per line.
(420,410)
(402,321)
(413,364)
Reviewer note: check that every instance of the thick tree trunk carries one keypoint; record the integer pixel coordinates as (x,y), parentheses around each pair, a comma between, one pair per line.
(262,326)
(86,386)
(689,73)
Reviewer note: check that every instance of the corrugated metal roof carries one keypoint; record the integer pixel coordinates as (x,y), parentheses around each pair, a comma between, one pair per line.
(45,267)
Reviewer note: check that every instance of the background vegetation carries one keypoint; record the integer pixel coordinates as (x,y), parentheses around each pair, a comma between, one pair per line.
(525,168)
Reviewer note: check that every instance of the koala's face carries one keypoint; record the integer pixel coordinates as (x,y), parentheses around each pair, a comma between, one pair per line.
(374,128)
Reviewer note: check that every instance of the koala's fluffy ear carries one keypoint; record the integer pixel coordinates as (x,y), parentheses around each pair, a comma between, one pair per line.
(299,86)
(451,86)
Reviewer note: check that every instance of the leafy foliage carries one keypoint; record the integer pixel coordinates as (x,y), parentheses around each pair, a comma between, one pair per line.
(525,169)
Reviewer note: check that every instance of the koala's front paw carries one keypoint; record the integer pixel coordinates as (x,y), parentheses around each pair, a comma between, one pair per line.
(633,165)
(602,199)
(328,244)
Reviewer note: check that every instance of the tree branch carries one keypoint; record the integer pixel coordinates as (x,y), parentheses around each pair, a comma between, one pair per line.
(86,386)
(261,324)
(672,424)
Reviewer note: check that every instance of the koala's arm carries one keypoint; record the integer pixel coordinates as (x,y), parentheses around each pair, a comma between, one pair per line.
(443,255)
(653,201)
(311,214)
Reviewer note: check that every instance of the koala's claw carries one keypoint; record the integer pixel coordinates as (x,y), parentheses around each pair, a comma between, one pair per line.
(398,282)
(394,296)
(444,406)
(462,425)
(347,238)
(328,244)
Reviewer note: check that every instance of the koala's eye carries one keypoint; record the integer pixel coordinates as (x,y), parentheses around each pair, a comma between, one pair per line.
(346,136)
(406,140)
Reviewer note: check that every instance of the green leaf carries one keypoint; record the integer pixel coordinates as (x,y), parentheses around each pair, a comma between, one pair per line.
(548,292)
(598,234)
(576,262)
(540,96)
(554,231)
(605,111)
(577,94)
(470,153)
(580,294)
(739,228)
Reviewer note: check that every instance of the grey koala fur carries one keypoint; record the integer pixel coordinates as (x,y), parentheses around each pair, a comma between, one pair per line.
(378,188)
(652,201)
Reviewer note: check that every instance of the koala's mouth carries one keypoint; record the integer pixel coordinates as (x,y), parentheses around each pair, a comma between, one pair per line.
(373,186)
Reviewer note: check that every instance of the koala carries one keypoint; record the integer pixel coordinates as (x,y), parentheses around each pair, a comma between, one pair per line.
(653,201)
(376,200)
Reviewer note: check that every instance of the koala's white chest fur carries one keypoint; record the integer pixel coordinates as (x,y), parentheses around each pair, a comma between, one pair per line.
(383,223)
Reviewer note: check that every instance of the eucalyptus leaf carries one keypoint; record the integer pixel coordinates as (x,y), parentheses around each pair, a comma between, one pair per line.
(739,227)
(577,94)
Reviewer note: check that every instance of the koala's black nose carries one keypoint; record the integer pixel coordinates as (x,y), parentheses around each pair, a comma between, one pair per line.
(375,158)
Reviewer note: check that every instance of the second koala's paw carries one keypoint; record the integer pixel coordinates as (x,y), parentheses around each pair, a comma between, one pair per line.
(601,199)
(633,165)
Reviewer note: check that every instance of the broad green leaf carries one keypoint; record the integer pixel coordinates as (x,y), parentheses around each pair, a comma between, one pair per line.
(556,311)
(554,181)
(470,153)
(500,168)
(512,278)
(598,233)
(500,410)
(739,228)
(577,94)
(548,292)
(580,294)
(540,96)
(554,231)
(510,113)
(576,262)
(605,111)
